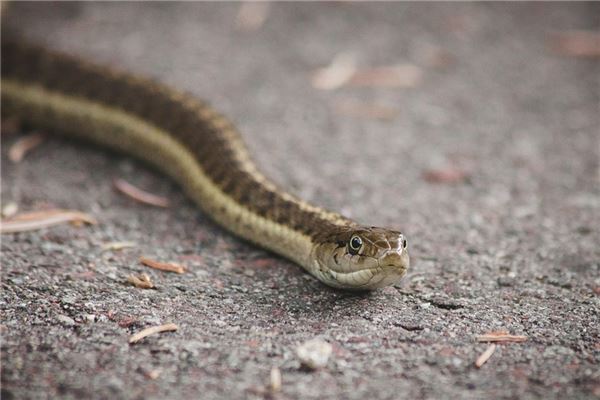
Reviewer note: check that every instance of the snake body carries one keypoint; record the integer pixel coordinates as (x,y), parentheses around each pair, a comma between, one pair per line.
(201,150)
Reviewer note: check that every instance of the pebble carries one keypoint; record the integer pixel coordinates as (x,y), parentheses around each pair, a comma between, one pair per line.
(314,353)
(66,320)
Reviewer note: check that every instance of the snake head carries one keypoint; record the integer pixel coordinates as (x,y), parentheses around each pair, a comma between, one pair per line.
(360,258)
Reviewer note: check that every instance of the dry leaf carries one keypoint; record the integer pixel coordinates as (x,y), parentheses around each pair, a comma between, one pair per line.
(337,74)
(139,194)
(151,331)
(577,43)
(142,281)
(43,219)
(252,15)
(482,359)
(169,267)
(21,147)
(398,76)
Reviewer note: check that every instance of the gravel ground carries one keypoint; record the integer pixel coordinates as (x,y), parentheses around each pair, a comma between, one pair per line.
(511,245)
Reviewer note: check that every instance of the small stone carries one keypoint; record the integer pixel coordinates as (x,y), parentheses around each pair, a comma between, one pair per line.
(314,353)
(505,281)
(66,320)
(10,209)
(102,318)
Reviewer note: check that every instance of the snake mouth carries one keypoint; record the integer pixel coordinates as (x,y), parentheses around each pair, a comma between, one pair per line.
(395,261)
(391,267)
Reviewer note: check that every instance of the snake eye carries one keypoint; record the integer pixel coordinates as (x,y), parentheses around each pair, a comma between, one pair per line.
(354,245)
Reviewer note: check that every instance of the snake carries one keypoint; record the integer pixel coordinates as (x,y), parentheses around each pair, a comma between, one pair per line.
(201,150)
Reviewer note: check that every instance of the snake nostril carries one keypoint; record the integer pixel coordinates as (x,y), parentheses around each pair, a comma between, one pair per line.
(404,244)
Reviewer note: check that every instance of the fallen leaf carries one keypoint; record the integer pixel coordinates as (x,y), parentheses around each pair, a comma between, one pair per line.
(169,267)
(482,359)
(21,147)
(151,331)
(139,194)
(43,219)
(585,44)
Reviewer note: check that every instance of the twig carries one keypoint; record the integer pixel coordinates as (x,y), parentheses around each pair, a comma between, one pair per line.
(275,380)
(501,337)
(151,331)
(482,359)
(43,219)
(169,267)
(115,246)
(139,194)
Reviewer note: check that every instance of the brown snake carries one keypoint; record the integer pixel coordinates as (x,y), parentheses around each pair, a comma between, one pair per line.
(201,150)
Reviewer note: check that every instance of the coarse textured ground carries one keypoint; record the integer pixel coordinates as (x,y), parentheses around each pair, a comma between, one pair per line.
(514,247)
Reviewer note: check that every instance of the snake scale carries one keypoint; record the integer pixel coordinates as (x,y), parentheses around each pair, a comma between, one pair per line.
(201,150)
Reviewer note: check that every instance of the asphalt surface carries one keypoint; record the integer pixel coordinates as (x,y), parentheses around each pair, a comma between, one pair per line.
(503,233)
